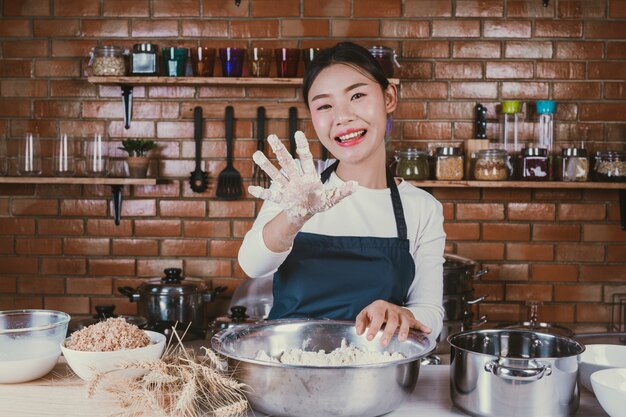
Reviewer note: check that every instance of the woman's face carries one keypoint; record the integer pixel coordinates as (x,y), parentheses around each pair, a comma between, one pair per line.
(349,112)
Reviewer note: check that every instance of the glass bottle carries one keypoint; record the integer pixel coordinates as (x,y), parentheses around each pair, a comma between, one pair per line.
(412,164)
(610,166)
(545,125)
(574,164)
(449,163)
(510,125)
(492,165)
(108,60)
(144,59)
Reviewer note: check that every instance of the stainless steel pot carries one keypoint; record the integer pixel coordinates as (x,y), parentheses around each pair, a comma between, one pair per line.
(514,373)
(457,306)
(173,299)
(459,274)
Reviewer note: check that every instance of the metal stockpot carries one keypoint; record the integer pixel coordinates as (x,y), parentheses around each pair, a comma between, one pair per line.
(173,299)
(514,373)
(459,274)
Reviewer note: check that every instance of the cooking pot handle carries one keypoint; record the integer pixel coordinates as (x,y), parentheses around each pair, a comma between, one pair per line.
(129,292)
(212,295)
(518,374)
(477,300)
(480,273)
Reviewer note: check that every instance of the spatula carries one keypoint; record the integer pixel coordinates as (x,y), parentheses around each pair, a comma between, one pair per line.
(199,180)
(229,181)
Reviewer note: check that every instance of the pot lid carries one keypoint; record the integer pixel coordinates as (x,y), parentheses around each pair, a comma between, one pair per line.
(538,326)
(237,316)
(173,283)
(104,312)
(458,262)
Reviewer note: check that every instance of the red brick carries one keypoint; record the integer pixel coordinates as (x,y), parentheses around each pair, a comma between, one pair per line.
(206,228)
(355,28)
(507,194)
(576,91)
(8,285)
(523,292)
(57,108)
(456,193)
(458,70)
(524,8)
(556,232)
(520,49)
(600,273)
(15,68)
(111,28)
(603,233)
(427,130)
(456,28)
(113,267)
(224,248)
(616,50)
(182,208)
(428,8)
(135,247)
(530,211)
(511,69)
(505,231)
(446,110)
(35,285)
(24,88)
(70,305)
(616,253)
(165,8)
(240,228)
(617,8)
(615,91)
(584,212)
(83,208)
(26,8)
(208,268)
(16,28)
(231,209)
(304,28)
(108,228)
(404,29)
(476,49)
(76,8)
(605,30)
(253,29)
(529,252)
(377,9)
(579,50)
(525,90)
(502,312)
(580,253)
(554,272)
(7,245)
(410,109)
(581,8)
(184,248)
(561,70)
(204,29)
(154,29)
(12,226)
(135,8)
(90,286)
(506,29)
(558,29)
(479,8)
(25,49)
(331,8)
(607,70)
(32,207)
(603,112)
(593,313)
(424,90)
(481,251)
(38,246)
(60,227)
(557,313)
(85,246)
(494,292)
(63,266)
(157,228)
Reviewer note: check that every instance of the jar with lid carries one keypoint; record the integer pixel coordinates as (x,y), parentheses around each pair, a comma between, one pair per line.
(144,59)
(108,60)
(610,166)
(386,57)
(449,163)
(534,164)
(412,164)
(574,164)
(491,165)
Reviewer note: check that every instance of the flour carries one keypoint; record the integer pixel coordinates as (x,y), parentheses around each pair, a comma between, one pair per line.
(345,355)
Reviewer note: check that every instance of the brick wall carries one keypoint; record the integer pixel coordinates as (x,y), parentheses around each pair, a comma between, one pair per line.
(60,249)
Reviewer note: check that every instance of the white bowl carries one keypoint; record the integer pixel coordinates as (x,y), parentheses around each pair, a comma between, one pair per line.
(609,385)
(29,343)
(87,364)
(598,357)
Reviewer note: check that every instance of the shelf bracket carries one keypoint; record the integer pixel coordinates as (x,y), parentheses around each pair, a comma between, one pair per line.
(117,203)
(622,208)
(127,101)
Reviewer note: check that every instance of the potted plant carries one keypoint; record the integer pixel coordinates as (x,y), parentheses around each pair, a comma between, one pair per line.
(137,150)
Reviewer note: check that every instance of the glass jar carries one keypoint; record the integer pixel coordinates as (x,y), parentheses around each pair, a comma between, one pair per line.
(610,166)
(108,61)
(534,164)
(144,59)
(574,164)
(386,57)
(491,165)
(449,163)
(412,164)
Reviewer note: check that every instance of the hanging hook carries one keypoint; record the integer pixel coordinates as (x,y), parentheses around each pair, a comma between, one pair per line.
(545,3)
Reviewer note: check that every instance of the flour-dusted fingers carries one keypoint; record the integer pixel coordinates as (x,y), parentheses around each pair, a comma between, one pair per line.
(265,194)
(285,160)
(304,153)
(335,195)
(261,160)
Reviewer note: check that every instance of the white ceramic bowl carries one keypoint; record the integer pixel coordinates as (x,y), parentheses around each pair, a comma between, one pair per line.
(609,385)
(87,364)
(29,343)
(598,357)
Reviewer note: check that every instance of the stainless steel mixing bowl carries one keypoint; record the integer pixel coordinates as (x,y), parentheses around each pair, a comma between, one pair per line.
(332,391)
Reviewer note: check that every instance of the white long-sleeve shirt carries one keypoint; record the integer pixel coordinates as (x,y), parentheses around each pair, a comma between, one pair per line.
(369,212)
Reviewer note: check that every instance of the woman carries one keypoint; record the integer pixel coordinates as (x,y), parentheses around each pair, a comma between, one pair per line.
(355,244)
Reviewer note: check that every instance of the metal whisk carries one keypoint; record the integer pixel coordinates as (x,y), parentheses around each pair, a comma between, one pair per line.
(259,177)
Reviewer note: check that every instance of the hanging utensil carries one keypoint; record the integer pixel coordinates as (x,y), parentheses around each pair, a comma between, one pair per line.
(199,180)
(259,177)
(293,126)
(229,181)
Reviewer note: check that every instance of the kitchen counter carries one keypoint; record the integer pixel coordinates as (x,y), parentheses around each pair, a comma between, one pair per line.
(63,394)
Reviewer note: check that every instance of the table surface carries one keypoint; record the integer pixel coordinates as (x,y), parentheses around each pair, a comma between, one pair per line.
(61,393)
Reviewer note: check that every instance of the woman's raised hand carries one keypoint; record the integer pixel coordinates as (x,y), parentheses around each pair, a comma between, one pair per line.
(298,190)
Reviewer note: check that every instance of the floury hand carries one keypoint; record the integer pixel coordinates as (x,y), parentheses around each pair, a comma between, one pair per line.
(299,192)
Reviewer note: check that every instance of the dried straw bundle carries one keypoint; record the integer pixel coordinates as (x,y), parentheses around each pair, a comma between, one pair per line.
(180,384)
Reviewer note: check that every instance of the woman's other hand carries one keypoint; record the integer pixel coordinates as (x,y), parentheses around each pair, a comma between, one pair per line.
(393,317)
(299,191)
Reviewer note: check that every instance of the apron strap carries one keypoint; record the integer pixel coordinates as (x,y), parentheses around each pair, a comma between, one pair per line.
(398,211)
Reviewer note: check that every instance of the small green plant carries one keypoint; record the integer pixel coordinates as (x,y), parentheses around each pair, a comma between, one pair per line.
(137,147)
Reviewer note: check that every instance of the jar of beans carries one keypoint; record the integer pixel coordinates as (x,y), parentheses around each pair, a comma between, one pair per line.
(108,60)
(491,165)
(610,166)
(449,163)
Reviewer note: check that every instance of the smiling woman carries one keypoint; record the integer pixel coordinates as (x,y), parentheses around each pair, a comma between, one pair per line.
(339,245)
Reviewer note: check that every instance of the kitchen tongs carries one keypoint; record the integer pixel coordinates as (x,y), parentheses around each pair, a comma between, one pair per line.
(229,185)
(199,180)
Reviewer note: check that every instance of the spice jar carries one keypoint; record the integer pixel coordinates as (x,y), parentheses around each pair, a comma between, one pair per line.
(491,165)
(574,164)
(144,59)
(610,166)
(449,163)
(412,164)
(534,164)
(108,61)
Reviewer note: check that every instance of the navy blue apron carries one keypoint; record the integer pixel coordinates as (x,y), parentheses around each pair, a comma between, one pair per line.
(337,276)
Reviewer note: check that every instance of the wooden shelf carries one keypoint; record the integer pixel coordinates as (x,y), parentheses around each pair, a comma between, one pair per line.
(116,185)
(522,184)
(200,81)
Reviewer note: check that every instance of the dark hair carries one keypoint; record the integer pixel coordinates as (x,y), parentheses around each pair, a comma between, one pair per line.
(347,53)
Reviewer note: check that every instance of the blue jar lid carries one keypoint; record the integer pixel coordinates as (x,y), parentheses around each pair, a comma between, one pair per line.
(545,106)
